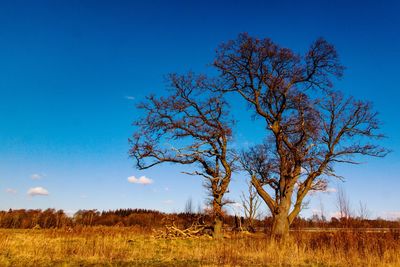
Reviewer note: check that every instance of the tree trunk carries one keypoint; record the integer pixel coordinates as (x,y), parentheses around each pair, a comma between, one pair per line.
(218,218)
(217,231)
(280,221)
(280,226)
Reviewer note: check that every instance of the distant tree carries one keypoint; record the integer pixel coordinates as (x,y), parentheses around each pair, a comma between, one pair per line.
(251,206)
(343,204)
(322,208)
(86,217)
(189,206)
(363,212)
(190,126)
(309,126)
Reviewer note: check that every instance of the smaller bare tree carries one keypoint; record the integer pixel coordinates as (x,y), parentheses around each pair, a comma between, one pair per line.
(343,203)
(251,206)
(188,127)
(322,210)
(189,206)
(363,211)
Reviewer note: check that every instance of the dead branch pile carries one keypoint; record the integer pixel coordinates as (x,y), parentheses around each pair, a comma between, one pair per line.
(171,231)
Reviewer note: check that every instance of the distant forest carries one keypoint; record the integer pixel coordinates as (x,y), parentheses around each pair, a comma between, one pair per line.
(151,219)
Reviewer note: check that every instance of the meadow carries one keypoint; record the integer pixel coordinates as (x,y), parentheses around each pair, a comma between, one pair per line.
(134,246)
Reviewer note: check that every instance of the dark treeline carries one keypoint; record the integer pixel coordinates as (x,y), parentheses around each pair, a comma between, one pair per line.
(149,219)
(49,218)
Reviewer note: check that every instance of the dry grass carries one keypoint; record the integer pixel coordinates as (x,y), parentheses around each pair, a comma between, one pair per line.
(113,246)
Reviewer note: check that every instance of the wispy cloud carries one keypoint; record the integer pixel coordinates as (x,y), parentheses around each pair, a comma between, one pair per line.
(327,190)
(330,190)
(391,215)
(236,205)
(168,202)
(129,97)
(11,191)
(38,191)
(141,180)
(36,176)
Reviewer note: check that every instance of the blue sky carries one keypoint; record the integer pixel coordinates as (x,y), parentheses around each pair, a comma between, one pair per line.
(71,73)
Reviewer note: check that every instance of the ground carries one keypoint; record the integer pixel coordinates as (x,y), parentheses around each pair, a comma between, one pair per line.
(119,246)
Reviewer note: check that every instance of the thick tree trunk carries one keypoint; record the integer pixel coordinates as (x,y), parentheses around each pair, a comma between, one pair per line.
(280,226)
(281,222)
(218,218)
(217,232)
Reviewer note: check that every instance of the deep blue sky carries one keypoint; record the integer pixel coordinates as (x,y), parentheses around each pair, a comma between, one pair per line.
(69,71)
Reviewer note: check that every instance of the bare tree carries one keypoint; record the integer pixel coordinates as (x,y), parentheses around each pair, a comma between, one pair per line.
(322,210)
(190,126)
(309,126)
(251,206)
(189,206)
(363,212)
(343,203)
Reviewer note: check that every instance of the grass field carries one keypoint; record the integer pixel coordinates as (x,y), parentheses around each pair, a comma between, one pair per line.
(115,246)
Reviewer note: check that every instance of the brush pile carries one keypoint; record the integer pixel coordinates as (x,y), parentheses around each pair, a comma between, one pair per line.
(171,231)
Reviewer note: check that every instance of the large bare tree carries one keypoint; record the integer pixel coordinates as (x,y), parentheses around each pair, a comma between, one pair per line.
(309,126)
(191,126)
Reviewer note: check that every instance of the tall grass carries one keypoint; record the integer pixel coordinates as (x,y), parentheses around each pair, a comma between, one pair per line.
(131,246)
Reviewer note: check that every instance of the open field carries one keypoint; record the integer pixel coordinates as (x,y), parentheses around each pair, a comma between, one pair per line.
(114,246)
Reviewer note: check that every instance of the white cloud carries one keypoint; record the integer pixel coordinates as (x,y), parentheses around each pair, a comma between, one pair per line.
(38,191)
(11,191)
(391,215)
(130,97)
(236,207)
(335,214)
(327,190)
(330,190)
(70,213)
(168,201)
(316,211)
(36,176)
(141,180)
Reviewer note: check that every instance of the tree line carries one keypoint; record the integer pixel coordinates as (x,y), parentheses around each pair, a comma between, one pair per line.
(151,219)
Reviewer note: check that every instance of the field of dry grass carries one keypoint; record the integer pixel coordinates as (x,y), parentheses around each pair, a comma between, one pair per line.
(114,246)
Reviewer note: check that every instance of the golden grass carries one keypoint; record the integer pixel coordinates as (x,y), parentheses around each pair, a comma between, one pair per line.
(113,246)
